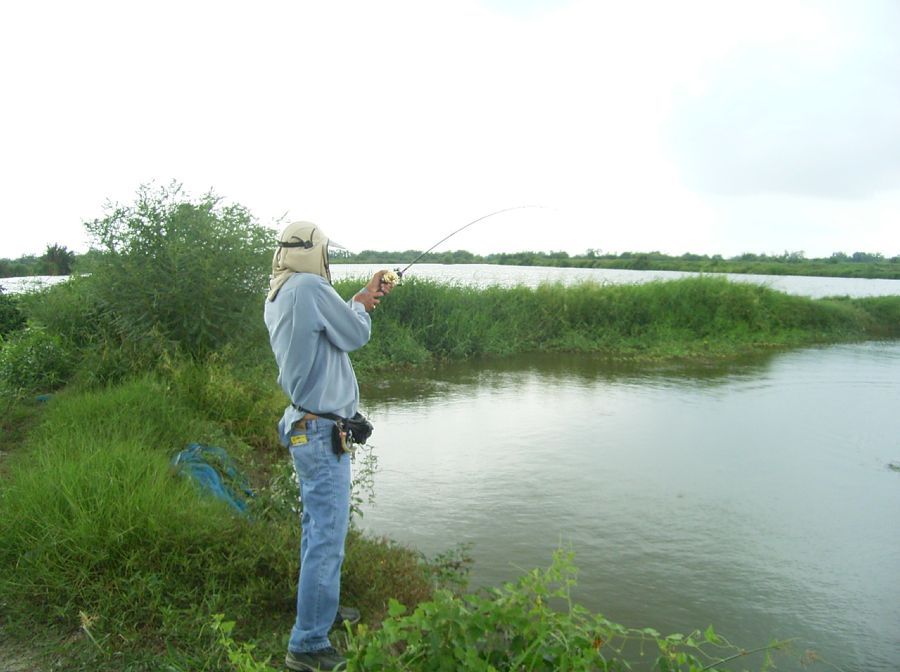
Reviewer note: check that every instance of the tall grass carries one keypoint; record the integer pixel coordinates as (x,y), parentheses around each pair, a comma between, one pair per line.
(422,321)
(95,525)
(94,519)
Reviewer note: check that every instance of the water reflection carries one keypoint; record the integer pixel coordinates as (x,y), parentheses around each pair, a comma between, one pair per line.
(552,368)
(753,495)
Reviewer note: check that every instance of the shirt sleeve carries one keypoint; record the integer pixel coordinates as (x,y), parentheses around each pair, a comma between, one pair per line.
(347,325)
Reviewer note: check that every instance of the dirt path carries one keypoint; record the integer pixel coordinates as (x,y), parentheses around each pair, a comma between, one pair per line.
(16,658)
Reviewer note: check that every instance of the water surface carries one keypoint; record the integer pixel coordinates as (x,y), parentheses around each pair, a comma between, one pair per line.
(754,495)
(482,275)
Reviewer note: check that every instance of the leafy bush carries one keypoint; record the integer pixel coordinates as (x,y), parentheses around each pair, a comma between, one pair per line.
(529,625)
(33,361)
(192,271)
(70,309)
(11,316)
(74,311)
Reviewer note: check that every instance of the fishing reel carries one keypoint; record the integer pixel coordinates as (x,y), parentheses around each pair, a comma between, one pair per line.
(392,277)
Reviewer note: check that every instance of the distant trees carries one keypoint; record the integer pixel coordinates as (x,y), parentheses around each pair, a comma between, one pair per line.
(59,260)
(859,264)
(23,266)
(56,260)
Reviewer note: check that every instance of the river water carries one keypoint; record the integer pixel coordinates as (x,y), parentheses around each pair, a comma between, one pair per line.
(755,495)
(482,275)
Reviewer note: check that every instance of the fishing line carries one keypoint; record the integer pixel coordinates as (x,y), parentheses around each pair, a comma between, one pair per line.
(474,221)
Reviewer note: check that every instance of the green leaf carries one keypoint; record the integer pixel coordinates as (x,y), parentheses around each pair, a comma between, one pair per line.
(395,609)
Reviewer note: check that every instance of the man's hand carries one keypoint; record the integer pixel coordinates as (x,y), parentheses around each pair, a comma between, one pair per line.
(375,289)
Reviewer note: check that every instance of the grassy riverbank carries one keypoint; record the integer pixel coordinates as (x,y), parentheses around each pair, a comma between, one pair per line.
(706,317)
(116,563)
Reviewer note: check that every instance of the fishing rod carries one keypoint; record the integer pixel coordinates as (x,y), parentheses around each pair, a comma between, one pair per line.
(474,221)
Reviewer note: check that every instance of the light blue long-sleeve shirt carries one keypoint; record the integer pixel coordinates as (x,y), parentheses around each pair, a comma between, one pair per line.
(311,330)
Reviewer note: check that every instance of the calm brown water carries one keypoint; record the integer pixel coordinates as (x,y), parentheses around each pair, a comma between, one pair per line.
(755,496)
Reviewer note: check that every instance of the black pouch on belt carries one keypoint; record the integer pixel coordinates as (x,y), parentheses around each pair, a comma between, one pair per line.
(360,428)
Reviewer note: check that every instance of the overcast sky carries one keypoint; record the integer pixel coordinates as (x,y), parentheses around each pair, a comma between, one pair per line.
(701,126)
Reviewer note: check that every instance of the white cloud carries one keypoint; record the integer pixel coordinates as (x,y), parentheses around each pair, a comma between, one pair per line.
(393,123)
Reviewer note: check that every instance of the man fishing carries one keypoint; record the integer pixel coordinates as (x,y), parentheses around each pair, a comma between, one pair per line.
(312,330)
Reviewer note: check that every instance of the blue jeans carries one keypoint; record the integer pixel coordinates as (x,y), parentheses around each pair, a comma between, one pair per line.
(325,493)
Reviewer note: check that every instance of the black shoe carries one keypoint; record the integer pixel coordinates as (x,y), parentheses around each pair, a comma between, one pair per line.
(311,661)
(348,614)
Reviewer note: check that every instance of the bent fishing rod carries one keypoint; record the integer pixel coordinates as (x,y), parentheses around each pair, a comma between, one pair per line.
(400,273)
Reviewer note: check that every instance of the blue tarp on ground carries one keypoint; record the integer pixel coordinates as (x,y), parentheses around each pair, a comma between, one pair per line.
(214,472)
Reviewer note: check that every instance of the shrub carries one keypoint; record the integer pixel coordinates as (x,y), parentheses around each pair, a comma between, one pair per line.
(531,625)
(33,361)
(70,309)
(193,271)
(11,317)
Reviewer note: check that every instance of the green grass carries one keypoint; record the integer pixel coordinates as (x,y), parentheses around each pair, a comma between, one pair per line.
(423,321)
(96,527)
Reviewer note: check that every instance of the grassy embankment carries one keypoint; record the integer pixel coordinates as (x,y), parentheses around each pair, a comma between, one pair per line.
(696,318)
(99,538)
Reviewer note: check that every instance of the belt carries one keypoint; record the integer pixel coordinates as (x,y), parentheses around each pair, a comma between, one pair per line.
(299,424)
(316,416)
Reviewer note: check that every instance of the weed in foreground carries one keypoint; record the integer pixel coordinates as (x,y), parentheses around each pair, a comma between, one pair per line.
(528,626)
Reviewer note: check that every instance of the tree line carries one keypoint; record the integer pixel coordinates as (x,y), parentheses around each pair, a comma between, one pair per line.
(59,260)
(56,260)
(857,264)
